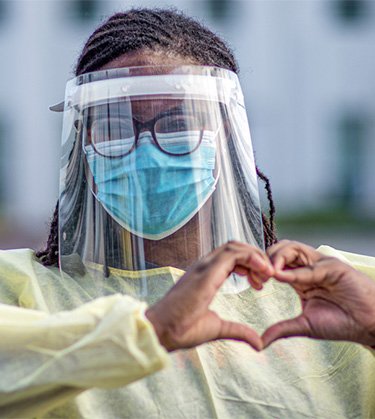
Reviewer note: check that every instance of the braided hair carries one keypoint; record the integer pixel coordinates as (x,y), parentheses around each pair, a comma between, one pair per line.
(158,30)
(168,31)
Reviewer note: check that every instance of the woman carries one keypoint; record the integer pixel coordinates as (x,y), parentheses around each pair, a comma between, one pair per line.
(144,67)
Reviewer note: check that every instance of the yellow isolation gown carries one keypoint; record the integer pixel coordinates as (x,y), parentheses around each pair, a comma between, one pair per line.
(72,347)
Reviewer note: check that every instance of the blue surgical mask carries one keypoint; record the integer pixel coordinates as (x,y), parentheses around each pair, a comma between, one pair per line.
(150,193)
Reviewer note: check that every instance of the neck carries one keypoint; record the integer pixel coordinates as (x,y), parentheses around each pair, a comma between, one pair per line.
(184,247)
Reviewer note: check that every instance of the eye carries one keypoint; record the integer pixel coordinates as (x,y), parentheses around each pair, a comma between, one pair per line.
(178,134)
(176,123)
(111,129)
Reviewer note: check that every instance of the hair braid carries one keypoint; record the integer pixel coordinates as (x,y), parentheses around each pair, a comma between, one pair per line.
(268,223)
(49,256)
(159,30)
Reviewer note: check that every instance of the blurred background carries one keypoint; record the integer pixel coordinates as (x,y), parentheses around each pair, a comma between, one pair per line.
(308,75)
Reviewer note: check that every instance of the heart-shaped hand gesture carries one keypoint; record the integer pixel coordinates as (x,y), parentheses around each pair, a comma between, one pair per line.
(338,302)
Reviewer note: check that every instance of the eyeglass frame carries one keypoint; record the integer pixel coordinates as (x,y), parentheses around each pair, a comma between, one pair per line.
(150,125)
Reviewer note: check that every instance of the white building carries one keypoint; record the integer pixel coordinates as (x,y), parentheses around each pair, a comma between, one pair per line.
(307,71)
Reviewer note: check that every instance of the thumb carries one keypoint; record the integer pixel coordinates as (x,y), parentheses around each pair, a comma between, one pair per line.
(298,326)
(241,332)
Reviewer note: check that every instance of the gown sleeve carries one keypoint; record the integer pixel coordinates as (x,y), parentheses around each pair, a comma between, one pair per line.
(47,359)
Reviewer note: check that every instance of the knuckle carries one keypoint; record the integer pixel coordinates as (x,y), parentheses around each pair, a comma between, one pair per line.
(296,245)
(341,269)
(334,263)
(231,246)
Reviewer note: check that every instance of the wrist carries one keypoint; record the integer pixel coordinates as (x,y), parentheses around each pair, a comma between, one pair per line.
(153,317)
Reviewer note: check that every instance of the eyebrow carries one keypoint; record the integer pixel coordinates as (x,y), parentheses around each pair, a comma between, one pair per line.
(171,111)
(99,112)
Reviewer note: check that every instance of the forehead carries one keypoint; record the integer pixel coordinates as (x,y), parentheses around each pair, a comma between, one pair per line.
(141,109)
(148,108)
(147,57)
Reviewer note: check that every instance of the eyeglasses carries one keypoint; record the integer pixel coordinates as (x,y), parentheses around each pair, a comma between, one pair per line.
(174,132)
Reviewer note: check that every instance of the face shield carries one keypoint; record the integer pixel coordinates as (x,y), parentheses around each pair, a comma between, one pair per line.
(157,170)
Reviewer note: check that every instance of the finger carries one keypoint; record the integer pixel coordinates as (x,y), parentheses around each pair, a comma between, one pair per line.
(298,326)
(292,253)
(255,282)
(258,261)
(240,270)
(304,276)
(277,248)
(282,254)
(256,279)
(241,332)
(230,257)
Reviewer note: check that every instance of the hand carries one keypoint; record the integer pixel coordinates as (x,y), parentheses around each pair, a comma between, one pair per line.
(182,319)
(338,302)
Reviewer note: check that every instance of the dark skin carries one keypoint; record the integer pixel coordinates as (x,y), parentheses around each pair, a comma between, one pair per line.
(338,302)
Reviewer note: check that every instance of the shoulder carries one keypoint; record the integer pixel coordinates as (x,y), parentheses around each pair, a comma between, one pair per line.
(17,258)
(22,278)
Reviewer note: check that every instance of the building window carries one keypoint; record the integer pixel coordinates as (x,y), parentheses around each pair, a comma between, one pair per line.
(219,9)
(352,133)
(351,11)
(3,11)
(85,10)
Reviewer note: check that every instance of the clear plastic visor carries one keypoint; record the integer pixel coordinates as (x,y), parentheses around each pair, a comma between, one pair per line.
(157,171)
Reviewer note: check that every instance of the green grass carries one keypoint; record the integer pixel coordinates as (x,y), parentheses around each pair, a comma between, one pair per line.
(333,219)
